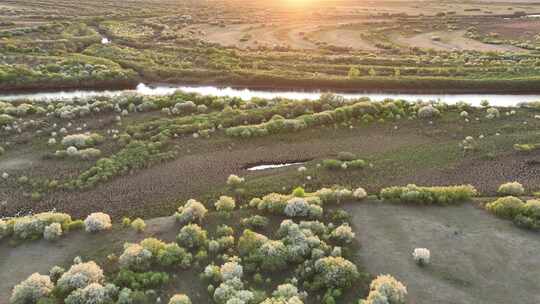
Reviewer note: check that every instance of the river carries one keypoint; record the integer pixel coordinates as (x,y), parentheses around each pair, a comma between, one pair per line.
(474,99)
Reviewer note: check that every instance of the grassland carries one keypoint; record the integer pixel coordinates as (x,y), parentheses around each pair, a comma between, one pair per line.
(256,45)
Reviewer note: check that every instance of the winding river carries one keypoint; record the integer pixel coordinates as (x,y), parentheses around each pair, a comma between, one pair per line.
(474,99)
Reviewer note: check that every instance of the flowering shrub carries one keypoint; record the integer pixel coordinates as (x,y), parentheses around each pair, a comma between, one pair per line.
(299,207)
(273,255)
(343,234)
(253,222)
(231,270)
(334,196)
(513,188)
(250,241)
(507,206)
(138,225)
(191,212)
(29,291)
(385,289)
(225,204)
(192,236)
(93,293)
(172,254)
(79,276)
(135,257)
(52,232)
(300,240)
(334,272)
(56,272)
(428,195)
(97,221)
(492,113)
(81,140)
(421,256)
(235,180)
(179,299)
(360,193)
(427,112)
(33,226)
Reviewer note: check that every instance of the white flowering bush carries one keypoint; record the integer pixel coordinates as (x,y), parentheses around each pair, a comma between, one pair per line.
(235,180)
(421,256)
(180,299)
(273,255)
(233,292)
(428,111)
(33,226)
(79,276)
(225,204)
(385,289)
(300,241)
(343,234)
(192,236)
(192,211)
(334,272)
(513,188)
(97,221)
(299,207)
(94,293)
(231,270)
(71,151)
(52,232)
(492,113)
(135,257)
(56,272)
(286,291)
(293,300)
(89,153)
(81,140)
(29,291)
(334,196)
(360,193)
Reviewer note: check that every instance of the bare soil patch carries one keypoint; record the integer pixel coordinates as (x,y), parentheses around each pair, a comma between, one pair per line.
(476,257)
(204,165)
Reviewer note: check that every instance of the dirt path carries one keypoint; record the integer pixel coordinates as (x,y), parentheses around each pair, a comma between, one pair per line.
(476,257)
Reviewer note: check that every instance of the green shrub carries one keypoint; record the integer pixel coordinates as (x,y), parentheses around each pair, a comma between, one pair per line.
(138,225)
(428,195)
(513,188)
(140,281)
(192,236)
(332,164)
(75,225)
(255,222)
(299,192)
(507,207)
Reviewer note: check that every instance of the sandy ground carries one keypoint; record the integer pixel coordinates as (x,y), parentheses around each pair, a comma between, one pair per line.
(476,257)
(450,41)
(343,38)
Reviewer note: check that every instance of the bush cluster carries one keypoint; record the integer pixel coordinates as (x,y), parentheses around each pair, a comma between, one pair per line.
(428,195)
(524,214)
